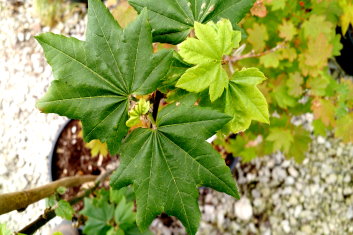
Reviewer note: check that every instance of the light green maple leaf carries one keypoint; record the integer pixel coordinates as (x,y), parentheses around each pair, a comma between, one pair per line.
(344,127)
(278,4)
(319,127)
(166,165)
(242,100)
(271,60)
(317,25)
(64,210)
(172,20)
(206,52)
(282,139)
(281,96)
(94,79)
(141,108)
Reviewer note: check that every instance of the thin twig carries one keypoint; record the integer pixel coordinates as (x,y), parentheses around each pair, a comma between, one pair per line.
(252,54)
(49,214)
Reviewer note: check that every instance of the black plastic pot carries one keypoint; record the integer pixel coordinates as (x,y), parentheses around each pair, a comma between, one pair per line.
(345,60)
(52,155)
(74,158)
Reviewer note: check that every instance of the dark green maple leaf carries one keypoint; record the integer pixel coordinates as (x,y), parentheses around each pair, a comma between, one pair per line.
(172,20)
(95,78)
(168,163)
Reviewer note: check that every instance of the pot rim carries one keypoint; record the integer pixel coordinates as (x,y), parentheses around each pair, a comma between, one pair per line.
(53,148)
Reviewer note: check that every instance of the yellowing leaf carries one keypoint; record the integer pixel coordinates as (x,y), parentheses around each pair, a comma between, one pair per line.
(97,148)
(319,50)
(206,52)
(315,58)
(347,16)
(294,84)
(124,13)
(282,139)
(324,110)
(259,9)
(287,30)
(258,36)
(344,128)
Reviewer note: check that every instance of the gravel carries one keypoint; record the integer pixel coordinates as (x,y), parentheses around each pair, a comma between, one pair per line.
(26,135)
(278,195)
(283,197)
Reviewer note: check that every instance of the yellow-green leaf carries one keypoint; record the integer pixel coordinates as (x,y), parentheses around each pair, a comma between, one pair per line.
(282,139)
(294,84)
(206,52)
(287,30)
(257,36)
(344,128)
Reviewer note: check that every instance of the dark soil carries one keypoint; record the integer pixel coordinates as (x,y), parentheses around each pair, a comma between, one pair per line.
(71,158)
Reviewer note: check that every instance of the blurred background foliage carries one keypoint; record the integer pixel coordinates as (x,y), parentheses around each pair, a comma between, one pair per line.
(295,44)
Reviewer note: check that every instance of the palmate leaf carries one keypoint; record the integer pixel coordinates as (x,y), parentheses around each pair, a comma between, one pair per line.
(242,100)
(98,215)
(168,163)
(206,53)
(94,79)
(172,20)
(64,210)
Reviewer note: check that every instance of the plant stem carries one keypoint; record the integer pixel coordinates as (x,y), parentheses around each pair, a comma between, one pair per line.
(20,200)
(157,100)
(49,214)
(252,54)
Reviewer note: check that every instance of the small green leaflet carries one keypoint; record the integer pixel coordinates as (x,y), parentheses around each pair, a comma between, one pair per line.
(141,108)
(94,78)
(167,164)
(64,210)
(206,53)
(99,215)
(124,216)
(61,190)
(172,20)
(242,100)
